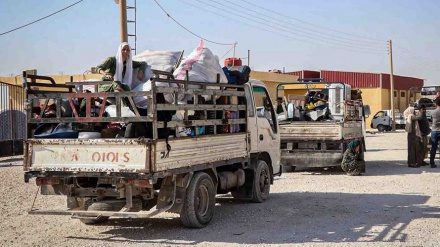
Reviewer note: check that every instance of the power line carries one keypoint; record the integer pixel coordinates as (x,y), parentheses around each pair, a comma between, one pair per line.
(354,49)
(305,29)
(340,41)
(415,56)
(414,59)
(311,24)
(270,31)
(187,28)
(227,52)
(355,46)
(41,18)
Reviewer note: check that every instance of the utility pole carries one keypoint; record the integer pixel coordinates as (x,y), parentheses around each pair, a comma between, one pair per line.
(249,57)
(123,19)
(390,47)
(233,55)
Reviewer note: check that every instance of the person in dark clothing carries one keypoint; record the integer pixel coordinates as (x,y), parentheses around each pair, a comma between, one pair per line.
(424,128)
(352,163)
(435,134)
(414,137)
(280,104)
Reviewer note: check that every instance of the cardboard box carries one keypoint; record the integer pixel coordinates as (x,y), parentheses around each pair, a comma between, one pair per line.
(298,100)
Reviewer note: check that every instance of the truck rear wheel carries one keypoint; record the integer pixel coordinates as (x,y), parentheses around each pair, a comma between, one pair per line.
(96,206)
(261,183)
(107,205)
(199,203)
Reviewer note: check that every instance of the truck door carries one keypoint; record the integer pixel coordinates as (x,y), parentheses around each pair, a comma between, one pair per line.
(380,118)
(267,125)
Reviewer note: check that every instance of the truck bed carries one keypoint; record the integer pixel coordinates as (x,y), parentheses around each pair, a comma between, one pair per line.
(132,155)
(320,131)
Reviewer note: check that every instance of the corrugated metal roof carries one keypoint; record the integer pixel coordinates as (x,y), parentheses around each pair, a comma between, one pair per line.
(362,79)
(305,73)
(354,79)
(401,82)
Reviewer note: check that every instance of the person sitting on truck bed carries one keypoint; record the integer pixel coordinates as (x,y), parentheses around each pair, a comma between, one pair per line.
(352,163)
(414,137)
(119,69)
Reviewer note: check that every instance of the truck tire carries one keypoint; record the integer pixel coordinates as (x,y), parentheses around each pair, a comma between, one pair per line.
(198,206)
(381,128)
(107,205)
(97,206)
(261,183)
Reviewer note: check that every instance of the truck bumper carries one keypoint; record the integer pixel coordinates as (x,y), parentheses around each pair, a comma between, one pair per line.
(311,158)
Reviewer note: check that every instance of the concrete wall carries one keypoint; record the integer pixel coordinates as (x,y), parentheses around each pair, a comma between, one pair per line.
(373,98)
(58,78)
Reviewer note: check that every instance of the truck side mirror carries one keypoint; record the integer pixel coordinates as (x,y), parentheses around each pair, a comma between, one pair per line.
(367,111)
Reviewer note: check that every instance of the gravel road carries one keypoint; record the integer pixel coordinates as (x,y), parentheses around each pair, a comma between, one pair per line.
(390,205)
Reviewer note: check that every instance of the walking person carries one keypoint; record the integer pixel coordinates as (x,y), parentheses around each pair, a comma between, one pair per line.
(426,130)
(435,134)
(414,138)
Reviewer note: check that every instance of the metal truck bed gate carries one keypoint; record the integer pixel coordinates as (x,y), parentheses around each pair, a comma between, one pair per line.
(12,119)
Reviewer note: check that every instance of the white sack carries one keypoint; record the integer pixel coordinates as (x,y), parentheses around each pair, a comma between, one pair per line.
(142,101)
(159,60)
(147,76)
(202,66)
(125,111)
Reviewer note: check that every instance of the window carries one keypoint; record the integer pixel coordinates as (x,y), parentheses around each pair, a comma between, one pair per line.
(395,94)
(250,107)
(380,114)
(264,106)
(402,94)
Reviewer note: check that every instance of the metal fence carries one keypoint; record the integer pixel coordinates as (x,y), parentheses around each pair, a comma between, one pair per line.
(12,119)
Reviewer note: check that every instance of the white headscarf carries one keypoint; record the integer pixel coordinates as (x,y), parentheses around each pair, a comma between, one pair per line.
(409,115)
(120,66)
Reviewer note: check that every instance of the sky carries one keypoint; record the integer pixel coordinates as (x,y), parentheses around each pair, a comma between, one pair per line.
(293,35)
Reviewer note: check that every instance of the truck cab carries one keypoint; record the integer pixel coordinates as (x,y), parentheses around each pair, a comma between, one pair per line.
(382,121)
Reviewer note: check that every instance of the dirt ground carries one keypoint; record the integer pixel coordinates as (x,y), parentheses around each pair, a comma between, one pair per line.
(390,205)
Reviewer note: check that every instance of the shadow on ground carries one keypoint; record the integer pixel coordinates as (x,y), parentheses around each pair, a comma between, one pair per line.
(373,168)
(11,161)
(285,218)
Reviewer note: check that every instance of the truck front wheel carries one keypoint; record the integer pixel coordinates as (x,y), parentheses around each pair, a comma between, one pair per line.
(199,203)
(261,183)
(381,128)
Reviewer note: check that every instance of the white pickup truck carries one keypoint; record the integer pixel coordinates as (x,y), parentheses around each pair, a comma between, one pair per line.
(382,121)
(128,177)
(321,143)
